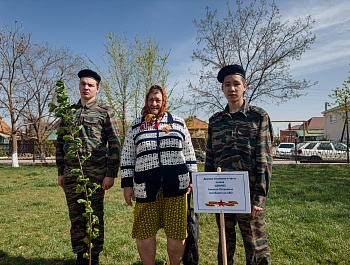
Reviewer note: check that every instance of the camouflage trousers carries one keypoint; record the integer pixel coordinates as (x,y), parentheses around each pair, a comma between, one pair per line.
(78,222)
(253,232)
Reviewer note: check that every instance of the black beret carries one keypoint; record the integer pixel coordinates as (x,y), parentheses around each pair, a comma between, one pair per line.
(233,69)
(89,73)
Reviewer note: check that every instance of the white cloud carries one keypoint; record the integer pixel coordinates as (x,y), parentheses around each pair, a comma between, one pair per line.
(332,29)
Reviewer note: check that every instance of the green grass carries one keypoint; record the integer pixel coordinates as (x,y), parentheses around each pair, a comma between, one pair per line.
(307,215)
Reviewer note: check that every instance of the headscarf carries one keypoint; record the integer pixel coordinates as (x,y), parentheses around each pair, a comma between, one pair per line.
(148,117)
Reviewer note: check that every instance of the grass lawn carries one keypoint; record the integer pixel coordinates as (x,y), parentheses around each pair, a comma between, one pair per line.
(307,215)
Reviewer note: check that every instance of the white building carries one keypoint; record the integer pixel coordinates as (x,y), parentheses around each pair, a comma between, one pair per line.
(334,125)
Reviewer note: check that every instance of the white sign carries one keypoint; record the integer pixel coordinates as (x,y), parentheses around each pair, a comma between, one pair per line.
(221,192)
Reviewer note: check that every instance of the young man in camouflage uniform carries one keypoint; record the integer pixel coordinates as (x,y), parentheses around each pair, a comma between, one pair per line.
(100,136)
(239,139)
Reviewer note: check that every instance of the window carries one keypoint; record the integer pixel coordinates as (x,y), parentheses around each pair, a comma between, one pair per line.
(340,147)
(286,145)
(310,146)
(325,146)
(333,118)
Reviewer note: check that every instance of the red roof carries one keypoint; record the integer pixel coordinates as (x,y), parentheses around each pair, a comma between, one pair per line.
(316,123)
(4,128)
(193,123)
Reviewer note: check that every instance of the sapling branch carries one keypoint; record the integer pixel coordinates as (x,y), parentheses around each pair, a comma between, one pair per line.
(70,133)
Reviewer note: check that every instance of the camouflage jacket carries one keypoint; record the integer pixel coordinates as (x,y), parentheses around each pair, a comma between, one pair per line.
(100,136)
(242,142)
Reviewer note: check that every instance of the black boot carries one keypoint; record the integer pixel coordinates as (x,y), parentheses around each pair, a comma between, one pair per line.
(94,260)
(81,260)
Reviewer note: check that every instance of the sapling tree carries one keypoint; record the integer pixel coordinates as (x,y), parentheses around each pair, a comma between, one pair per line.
(70,132)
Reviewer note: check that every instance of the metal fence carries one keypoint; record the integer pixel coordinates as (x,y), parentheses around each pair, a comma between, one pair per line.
(25,148)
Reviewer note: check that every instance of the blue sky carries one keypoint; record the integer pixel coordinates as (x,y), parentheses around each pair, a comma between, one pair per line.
(82,26)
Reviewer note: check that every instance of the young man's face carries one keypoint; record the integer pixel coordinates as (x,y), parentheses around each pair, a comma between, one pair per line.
(234,88)
(88,88)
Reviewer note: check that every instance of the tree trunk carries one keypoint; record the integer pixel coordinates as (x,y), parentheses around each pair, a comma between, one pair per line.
(14,151)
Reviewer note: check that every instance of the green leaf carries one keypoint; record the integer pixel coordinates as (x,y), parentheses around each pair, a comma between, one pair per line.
(61,130)
(75,170)
(80,201)
(76,130)
(83,181)
(95,219)
(68,138)
(89,210)
(60,83)
(79,189)
(70,155)
(52,107)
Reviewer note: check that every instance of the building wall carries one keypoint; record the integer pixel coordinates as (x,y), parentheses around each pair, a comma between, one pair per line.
(334,124)
(287,136)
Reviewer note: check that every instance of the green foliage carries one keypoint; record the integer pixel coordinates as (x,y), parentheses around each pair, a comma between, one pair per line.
(70,134)
(307,216)
(341,97)
(49,148)
(3,152)
(131,67)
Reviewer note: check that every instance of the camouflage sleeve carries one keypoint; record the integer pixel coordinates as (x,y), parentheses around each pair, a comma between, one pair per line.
(60,154)
(209,156)
(264,162)
(113,142)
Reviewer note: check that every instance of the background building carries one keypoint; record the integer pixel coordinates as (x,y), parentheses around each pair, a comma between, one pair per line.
(335,129)
(198,130)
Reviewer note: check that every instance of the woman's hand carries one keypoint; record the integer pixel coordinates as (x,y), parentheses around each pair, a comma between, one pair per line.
(189,189)
(129,195)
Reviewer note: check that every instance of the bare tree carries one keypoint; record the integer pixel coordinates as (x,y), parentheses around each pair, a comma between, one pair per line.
(254,36)
(45,66)
(13,99)
(131,69)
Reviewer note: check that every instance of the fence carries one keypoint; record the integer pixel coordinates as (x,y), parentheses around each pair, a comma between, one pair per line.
(25,148)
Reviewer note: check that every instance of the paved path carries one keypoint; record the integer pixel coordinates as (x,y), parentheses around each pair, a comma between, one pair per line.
(28,161)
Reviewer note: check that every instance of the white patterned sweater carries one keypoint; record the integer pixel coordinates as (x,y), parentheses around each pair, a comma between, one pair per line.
(152,159)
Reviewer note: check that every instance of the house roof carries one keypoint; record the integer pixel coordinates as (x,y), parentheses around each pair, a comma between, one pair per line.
(334,109)
(316,123)
(4,128)
(295,127)
(193,123)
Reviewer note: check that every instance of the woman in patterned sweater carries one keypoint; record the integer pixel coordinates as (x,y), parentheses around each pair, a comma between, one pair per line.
(156,165)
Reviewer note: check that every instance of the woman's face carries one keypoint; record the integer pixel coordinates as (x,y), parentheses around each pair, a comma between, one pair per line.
(155,102)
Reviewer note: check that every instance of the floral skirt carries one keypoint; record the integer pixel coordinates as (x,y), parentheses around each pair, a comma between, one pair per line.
(168,213)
